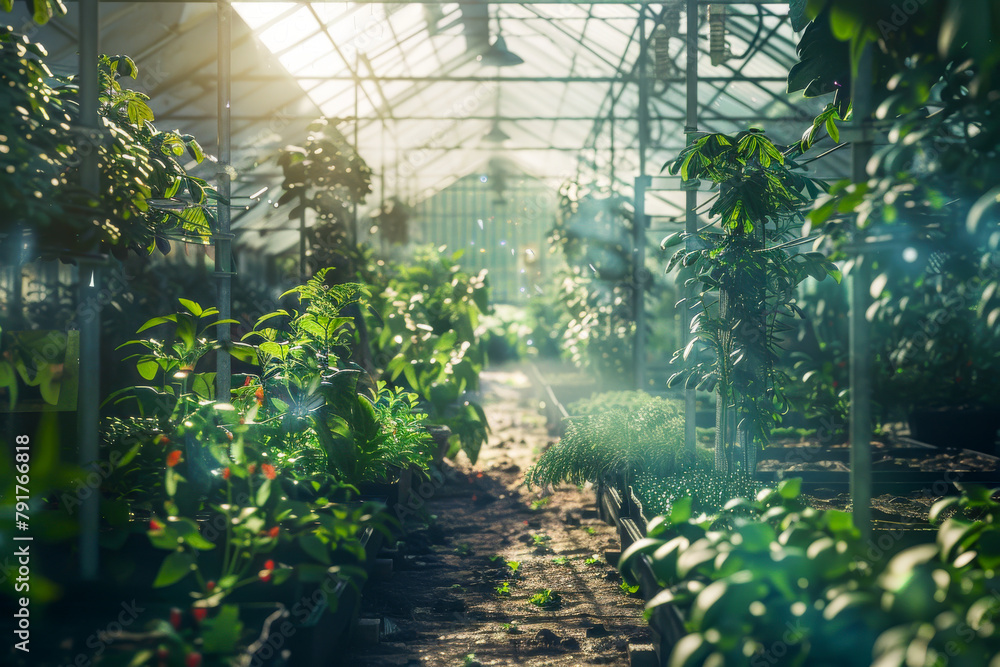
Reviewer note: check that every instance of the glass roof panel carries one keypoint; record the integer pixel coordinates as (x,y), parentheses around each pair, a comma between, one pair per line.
(425,102)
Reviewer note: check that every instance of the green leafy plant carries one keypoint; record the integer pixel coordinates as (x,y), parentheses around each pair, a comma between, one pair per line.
(182,340)
(244,489)
(592,560)
(513,566)
(430,337)
(39,359)
(145,196)
(503,589)
(511,628)
(541,539)
(540,503)
(546,598)
(326,175)
(628,589)
(463,550)
(742,578)
(929,192)
(308,386)
(594,301)
(560,560)
(745,274)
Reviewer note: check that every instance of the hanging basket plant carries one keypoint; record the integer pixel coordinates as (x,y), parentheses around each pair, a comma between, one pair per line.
(146,197)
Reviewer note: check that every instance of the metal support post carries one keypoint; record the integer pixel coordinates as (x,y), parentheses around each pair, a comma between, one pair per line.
(88,305)
(860,284)
(639,223)
(691,206)
(223,238)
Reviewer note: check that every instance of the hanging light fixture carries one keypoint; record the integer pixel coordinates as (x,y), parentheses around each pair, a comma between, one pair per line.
(496,135)
(498,55)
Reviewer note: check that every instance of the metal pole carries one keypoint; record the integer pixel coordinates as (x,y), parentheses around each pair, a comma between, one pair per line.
(691,205)
(88,277)
(302,242)
(223,242)
(639,224)
(860,281)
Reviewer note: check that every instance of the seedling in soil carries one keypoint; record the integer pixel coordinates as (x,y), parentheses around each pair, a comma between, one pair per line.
(540,503)
(495,558)
(593,560)
(510,628)
(561,560)
(458,587)
(503,590)
(628,590)
(591,530)
(541,539)
(463,549)
(469,660)
(513,566)
(546,599)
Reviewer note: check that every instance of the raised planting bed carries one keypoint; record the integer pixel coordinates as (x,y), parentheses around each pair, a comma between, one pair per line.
(902,467)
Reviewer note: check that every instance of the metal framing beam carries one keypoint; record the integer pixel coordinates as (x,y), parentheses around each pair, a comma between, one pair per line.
(691,206)
(223,241)
(860,338)
(88,306)
(639,211)
(511,79)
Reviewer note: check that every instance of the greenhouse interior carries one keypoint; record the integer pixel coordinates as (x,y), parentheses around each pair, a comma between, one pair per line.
(480,333)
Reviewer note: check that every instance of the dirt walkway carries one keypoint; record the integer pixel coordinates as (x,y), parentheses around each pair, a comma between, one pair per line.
(441,606)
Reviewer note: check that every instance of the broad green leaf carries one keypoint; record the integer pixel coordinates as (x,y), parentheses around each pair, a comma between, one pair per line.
(221,633)
(176,566)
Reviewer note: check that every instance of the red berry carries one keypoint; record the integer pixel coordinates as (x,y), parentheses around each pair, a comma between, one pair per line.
(155,525)
(210,586)
(265,575)
(173,458)
(199,613)
(193,659)
(175,618)
(225,473)
(273,532)
(268,470)
(269,564)
(246,383)
(252,468)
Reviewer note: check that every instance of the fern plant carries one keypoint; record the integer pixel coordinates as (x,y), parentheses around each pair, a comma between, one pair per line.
(618,443)
(624,400)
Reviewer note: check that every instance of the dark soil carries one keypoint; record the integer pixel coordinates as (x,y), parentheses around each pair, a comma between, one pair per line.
(440,606)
